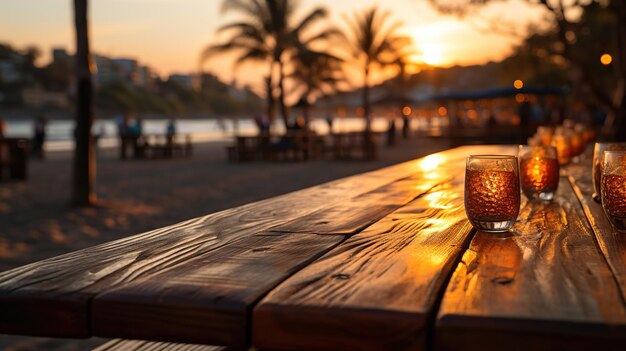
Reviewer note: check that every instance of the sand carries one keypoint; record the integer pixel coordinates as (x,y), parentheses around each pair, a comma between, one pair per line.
(139,195)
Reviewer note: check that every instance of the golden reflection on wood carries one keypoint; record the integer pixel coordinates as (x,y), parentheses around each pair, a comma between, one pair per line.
(543,285)
(53,297)
(377,289)
(612,243)
(50,297)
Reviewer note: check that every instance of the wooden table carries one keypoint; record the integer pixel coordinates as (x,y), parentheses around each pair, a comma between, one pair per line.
(378,261)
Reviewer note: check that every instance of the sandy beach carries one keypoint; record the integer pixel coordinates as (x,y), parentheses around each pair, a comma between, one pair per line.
(139,195)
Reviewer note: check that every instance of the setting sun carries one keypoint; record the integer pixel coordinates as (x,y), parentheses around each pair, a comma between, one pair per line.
(433,54)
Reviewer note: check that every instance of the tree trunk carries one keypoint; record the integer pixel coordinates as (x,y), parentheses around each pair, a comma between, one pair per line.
(84,162)
(306,108)
(281,85)
(369,145)
(366,97)
(270,100)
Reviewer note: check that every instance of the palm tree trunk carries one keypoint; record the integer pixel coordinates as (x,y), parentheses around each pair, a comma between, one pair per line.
(84,163)
(366,97)
(281,85)
(306,108)
(270,99)
(369,146)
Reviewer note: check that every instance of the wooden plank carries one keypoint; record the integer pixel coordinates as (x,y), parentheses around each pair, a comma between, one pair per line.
(612,243)
(51,297)
(208,299)
(213,306)
(352,216)
(376,290)
(543,287)
(142,345)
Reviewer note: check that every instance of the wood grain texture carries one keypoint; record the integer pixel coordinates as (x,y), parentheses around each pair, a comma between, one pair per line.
(612,243)
(141,345)
(376,290)
(208,299)
(51,297)
(352,216)
(545,286)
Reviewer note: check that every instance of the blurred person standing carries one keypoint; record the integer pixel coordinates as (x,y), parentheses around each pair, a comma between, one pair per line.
(121,122)
(170,130)
(39,136)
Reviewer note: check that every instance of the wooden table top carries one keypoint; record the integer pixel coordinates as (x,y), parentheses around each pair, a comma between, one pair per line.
(378,261)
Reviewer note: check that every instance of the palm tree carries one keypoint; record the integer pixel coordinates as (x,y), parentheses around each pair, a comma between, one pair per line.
(84,162)
(267,31)
(374,42)
(404,50)
(316,74)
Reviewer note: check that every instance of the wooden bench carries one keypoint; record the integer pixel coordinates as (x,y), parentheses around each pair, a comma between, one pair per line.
(294,146)
(379,261)
(346,145)
(166,146)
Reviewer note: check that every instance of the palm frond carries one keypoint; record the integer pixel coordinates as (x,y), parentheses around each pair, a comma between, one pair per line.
(314,16)
(250,56)
(249,7)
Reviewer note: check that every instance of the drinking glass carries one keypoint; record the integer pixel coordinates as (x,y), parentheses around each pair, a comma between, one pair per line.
(492,194)
(539,171)
(561,142)
(545,135)
(596,172)
(613,189)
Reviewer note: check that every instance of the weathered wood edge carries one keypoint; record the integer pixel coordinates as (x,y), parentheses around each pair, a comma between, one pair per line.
(461,332)
(278,324)
(211,309)
(611,244)
(141,345)
(25,291)
(31,291)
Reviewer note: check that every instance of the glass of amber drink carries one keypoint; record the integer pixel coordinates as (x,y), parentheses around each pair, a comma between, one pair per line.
(492,192)
(613,188)
(539,171)
(596,172)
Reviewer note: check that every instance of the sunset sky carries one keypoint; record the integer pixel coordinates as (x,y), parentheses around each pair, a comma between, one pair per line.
(169,35)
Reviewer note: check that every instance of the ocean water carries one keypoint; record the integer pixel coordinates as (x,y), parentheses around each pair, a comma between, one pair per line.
(59,132)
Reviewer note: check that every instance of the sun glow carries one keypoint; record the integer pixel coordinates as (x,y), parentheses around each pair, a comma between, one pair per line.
(433,54)
(432,42)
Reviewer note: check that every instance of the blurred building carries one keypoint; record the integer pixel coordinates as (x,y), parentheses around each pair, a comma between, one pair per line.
(126,69)
(10,63)
(9,72)
(188,81)
(146,77)
(61,56)
(121,70)
(37,97)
